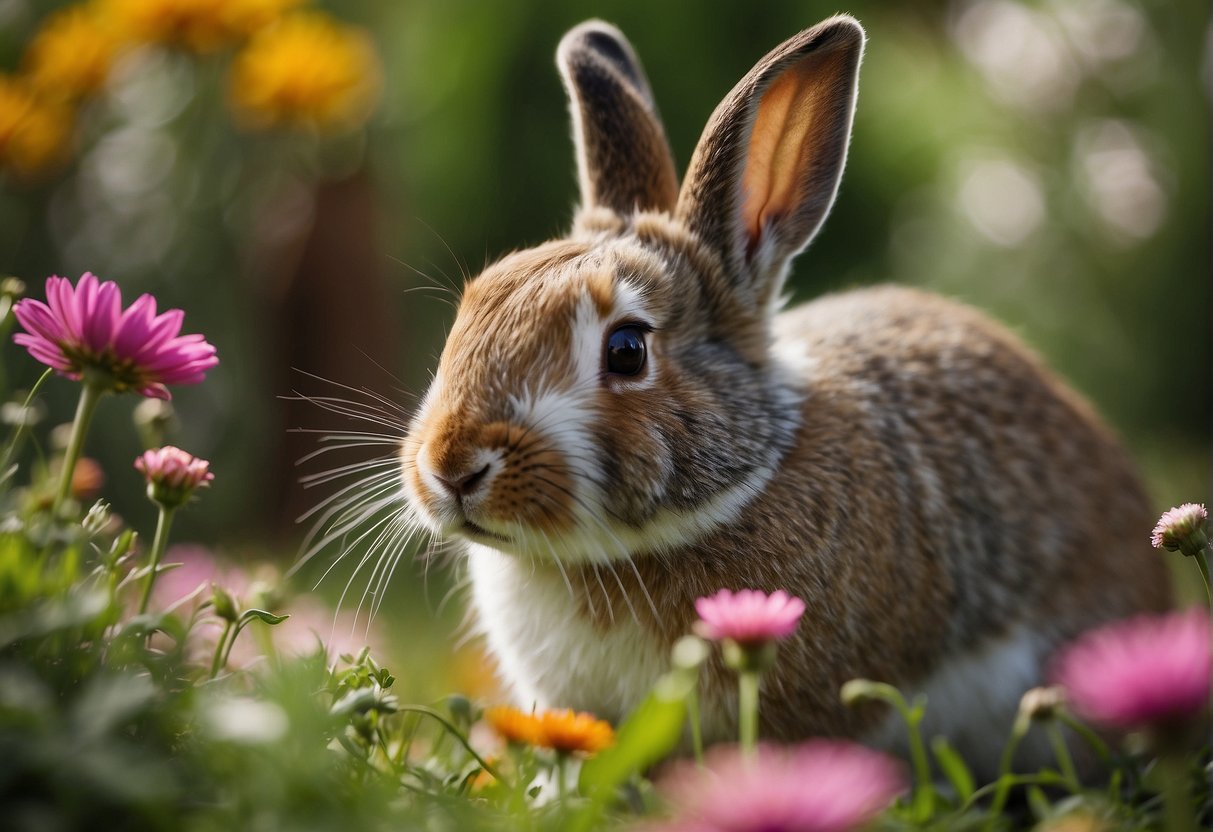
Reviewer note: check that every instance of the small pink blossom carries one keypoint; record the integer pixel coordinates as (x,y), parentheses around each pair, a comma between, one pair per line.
(174,467)
(749,616)
(84,330)
(820,786)
(1178,527)
(1144,671)
(172,474)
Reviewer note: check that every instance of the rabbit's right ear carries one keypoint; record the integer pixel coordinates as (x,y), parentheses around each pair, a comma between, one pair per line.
(623,157)
(765,171)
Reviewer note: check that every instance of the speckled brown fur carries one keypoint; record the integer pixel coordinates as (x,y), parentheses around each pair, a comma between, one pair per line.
(898,460)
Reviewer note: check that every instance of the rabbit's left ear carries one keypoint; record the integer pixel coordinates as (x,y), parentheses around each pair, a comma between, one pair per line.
(765,171)
(623,157)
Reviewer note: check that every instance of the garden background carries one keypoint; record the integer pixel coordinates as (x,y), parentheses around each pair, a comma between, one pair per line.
(1045,161)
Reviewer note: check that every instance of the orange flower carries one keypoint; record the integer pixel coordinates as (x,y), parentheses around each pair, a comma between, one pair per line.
(567,732)
(71,55)
(563,731)
(513,725)
(87,478)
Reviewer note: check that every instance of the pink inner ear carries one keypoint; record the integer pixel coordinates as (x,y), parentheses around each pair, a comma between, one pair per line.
(781,154)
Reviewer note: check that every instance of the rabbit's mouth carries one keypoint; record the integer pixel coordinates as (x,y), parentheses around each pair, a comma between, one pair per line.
(471,529)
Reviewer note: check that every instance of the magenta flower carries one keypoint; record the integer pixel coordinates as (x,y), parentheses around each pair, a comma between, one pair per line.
(748,617)
(820,786)
(172,474)
(1181,529)
(1145,671)
(84,331)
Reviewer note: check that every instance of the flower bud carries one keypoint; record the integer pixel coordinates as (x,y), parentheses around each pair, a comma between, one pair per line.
(12,287)
(1182,529)
(97,519)
(861,690)
(172,475)
(1039,704)
(154,419)
(224,604)
(689,653)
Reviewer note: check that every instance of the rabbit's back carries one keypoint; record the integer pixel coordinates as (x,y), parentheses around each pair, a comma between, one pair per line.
(989,463)
(948,494)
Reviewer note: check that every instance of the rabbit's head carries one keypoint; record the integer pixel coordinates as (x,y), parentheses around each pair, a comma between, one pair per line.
(615,392)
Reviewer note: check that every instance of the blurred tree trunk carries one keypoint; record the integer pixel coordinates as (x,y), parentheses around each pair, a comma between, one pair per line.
(336,326)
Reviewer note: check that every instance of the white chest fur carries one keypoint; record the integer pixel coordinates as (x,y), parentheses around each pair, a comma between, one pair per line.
(548,652)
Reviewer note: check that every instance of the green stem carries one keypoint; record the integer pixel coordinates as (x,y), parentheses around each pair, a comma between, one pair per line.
(561,774)
(1064,761)
(1005,778)
(1178,811)
(1045,778)
(446,723)
(90,395)
(15,442)
(163,524)
(217,661)
(696,726)
(747,710)
(1083,730)
(1202,563)
(924,794)
(912,715)
(231,642)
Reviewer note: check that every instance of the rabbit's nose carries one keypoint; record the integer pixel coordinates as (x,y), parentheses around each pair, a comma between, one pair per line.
(463,485)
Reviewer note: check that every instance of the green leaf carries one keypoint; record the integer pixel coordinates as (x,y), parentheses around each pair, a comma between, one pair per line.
(1039,801)
(954,768)
(53,616)
(261,615)
(648,735)
(122,544)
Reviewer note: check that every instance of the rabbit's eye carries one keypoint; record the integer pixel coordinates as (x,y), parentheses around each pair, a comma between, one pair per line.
(625,351)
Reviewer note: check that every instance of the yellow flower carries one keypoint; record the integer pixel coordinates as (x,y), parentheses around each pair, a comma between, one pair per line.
(34,131)
(306,71)
(566,732)
(244,17)
(71,54)
(512,724)
(198,25)
(193,24)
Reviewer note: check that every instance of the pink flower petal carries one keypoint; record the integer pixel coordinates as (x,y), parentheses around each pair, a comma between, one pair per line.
(748,616)
(85,326)
(820,786)
(1144,671)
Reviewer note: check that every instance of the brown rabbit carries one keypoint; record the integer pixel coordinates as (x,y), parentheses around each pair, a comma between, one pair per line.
(624,420)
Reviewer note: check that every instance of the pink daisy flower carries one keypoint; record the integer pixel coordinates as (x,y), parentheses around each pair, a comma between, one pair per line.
(820,786)
(172,474)
(748,617)
(1181,528)
(1145,671)
(84,330)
